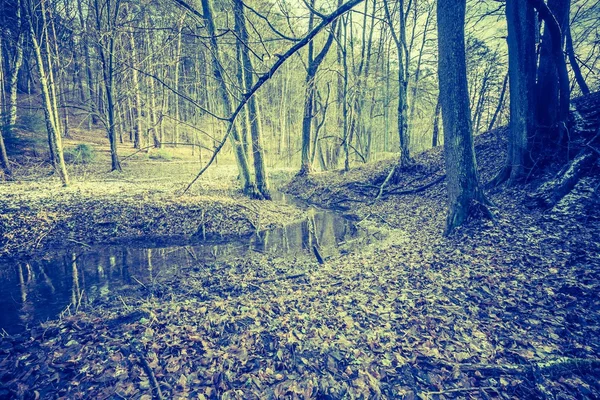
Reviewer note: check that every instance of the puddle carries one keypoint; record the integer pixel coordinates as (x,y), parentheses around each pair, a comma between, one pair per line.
(36,290)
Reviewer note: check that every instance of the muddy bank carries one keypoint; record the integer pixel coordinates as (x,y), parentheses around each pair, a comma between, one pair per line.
(35,217)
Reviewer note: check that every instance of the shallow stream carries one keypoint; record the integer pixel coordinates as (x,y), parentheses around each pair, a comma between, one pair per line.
(36,290)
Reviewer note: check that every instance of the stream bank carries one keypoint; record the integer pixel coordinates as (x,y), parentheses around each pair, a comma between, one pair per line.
(36,217)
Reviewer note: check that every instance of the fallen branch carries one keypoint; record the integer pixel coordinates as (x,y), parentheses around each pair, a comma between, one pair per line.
(551,192)
(157,394)
(385,182)
(318,255)
(458,390)
(168,143)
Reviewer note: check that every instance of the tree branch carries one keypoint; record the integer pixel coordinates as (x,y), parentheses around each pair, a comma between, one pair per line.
(265,77)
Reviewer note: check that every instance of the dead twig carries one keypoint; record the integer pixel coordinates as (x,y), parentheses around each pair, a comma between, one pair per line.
(157,393)
(455,390)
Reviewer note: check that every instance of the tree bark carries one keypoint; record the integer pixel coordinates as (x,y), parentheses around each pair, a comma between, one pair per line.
(54,138)
(242,162)
(260,173)
(553,89)
(521,70)
(464,191)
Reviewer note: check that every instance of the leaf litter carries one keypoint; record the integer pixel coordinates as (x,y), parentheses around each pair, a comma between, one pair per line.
(504,310)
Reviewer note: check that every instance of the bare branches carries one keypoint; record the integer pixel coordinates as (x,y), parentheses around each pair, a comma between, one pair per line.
(189,8)
(265,77)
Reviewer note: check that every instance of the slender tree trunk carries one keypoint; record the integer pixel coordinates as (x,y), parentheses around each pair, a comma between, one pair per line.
(500,103)
(574,65)
(138,139)
(436,122)
(52,85)
(107,61)
(402,116)
(11,119)
(242,162)
(464,191)
(88,66)
(54,138)
(415,87)
(313,67)
(176,80)
(260,173)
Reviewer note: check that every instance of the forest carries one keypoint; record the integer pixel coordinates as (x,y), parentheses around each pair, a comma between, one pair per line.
(298,199)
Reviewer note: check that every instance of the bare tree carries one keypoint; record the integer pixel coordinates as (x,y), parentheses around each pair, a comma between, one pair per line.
(54,138)
(260,172)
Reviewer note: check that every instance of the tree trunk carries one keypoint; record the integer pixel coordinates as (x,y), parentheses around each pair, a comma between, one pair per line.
(54,138)
(176,81)
(464,191)
(500,103)
(313,67)
(11,119)
(107,61)
(436,122)
(402,120)
(88,66)
(574,65)
(138,140)
(262,181)
(521,52)
(552,102)
(242,162)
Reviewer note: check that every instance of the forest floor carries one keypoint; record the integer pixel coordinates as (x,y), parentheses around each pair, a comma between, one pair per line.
(505,309)
(145,200)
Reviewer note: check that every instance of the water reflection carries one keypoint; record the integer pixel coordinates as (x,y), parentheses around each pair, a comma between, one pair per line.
(62,282)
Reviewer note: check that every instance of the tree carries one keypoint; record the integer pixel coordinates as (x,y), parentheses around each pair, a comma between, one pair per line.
(52,126)
(520,19)
(464,191)
(14,63)
(553,91)
(260,173)
(218,72)
(106,20)
(313,67)
(403,59)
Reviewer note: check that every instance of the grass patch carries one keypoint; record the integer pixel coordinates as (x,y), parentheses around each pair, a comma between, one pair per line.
(81,154)
(160,154)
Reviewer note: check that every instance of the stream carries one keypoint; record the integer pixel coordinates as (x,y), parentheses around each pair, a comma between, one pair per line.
(61,282)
